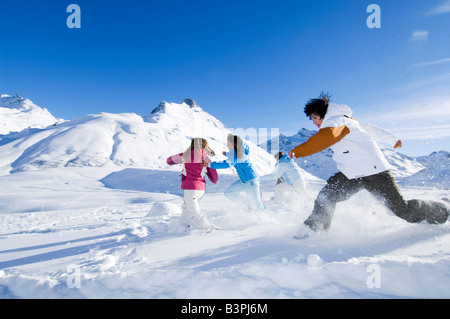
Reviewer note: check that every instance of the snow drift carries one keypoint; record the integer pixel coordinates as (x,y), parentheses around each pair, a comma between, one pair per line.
(64,235)
(90,210)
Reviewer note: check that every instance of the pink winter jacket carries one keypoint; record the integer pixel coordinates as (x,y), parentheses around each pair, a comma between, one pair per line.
(192,174)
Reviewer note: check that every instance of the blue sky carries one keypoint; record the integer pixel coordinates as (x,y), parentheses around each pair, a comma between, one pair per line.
(252,64)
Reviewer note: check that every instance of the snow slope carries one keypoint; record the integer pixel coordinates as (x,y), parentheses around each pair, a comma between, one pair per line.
(64,234)
(91,210)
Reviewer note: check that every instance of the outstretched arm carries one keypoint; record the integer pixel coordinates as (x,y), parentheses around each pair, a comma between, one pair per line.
(229,162)
(175,159)
(320,141)
(381,135)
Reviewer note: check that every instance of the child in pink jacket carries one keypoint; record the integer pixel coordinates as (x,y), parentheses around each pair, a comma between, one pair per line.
(193,182)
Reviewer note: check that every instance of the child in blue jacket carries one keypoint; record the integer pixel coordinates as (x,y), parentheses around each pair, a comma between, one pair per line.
(248,183)
(291,182)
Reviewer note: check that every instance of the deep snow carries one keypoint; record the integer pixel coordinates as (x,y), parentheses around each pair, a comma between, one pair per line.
(114,233)
(89,209)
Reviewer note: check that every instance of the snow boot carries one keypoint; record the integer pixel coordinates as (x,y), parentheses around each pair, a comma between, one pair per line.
(305,232)
(432,212)
(196,222)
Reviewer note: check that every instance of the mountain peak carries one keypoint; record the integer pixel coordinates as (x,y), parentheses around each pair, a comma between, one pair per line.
(160,107)
(18,113)
(306,133)
(15,102)
(189,102)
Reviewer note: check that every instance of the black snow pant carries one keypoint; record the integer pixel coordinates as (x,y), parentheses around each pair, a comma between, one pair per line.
(339,188)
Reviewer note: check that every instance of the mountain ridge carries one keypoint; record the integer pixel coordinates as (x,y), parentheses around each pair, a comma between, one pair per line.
(124,139)
(131,140)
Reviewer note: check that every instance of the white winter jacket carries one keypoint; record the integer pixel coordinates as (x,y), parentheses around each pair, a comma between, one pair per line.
(355,150)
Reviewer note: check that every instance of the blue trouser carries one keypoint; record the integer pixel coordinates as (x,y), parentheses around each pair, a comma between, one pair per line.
(251,190)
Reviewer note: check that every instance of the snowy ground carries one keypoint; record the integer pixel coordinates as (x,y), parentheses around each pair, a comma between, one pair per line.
(114,233)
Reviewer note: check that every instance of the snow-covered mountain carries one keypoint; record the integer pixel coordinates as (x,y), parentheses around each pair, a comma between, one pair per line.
(435,174)
(18,113)
(126,139)
(131,140)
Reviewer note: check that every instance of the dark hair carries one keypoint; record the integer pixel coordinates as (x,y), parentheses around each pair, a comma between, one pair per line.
(237,145)
(318,106)
(278,155)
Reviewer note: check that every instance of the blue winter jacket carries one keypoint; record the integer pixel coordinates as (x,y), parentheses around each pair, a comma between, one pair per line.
(242,165)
